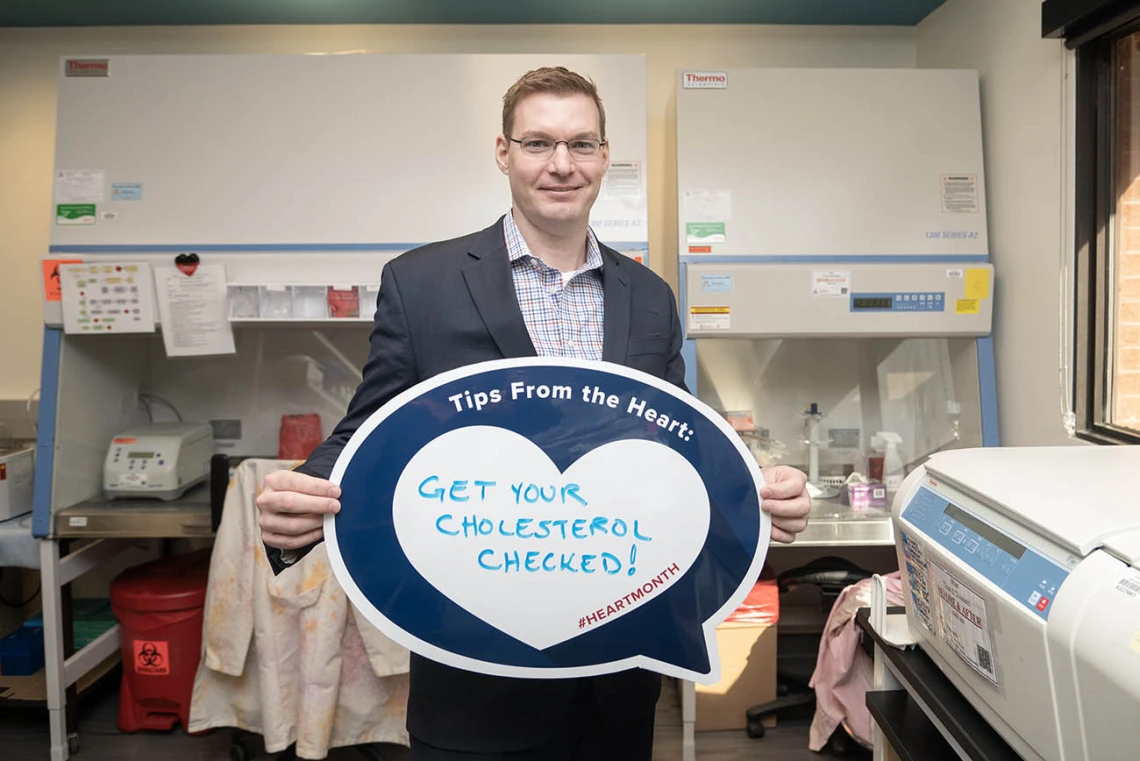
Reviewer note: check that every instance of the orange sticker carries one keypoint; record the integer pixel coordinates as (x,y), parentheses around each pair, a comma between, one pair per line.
(52,289)
(700,249)
(152,657)
(123,441)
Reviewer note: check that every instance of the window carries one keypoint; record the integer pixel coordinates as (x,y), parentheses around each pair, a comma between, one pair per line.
(1105,35)
(1123,397)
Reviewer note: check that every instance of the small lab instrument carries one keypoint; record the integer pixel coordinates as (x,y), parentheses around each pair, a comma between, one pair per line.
(158,460)
(1021,568)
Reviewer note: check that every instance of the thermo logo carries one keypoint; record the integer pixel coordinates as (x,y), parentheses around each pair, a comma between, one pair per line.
(87,67)
(705,80)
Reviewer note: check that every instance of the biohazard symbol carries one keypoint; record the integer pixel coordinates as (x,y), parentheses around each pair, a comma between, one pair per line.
(152,657)
(149,655)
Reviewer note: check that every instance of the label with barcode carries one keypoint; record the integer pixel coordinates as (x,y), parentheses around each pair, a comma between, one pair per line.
(965,626)
(1130,585)
(918,575)
(985,660)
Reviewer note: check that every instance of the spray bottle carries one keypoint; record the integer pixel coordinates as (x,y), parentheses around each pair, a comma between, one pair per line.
(892,463)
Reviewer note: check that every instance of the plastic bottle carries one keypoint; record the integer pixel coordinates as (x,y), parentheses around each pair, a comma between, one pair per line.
(892,464)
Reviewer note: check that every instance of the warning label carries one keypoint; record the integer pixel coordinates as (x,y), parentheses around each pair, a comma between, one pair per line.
(152,657)
(52,289)
(959,193)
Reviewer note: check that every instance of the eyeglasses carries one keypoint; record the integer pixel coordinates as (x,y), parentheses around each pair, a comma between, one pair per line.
(543,147)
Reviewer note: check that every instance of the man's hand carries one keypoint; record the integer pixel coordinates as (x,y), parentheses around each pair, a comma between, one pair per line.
(785,497)
(292,508)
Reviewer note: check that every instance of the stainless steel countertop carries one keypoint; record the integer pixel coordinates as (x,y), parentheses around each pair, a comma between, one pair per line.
(138,518)
(832,524)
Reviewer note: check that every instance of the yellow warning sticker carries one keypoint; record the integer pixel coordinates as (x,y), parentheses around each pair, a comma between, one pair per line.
(710,318)
(967,306)
(977,283)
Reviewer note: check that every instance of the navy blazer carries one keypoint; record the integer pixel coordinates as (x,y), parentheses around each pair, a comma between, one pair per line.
(451,304)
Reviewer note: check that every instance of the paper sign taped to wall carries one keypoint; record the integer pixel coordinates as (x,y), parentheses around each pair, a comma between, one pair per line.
(107,297)
(544,517)
(192,308)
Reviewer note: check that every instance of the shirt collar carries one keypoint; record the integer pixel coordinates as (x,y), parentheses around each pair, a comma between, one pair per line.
(517,248)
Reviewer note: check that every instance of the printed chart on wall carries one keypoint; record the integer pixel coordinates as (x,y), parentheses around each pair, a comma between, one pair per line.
(544,517)
(111,297)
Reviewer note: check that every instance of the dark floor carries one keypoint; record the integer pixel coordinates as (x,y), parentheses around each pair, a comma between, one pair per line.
(24,737)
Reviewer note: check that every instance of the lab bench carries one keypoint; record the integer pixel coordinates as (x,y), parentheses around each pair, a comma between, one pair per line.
(833,524)
(189,516)
(110,526)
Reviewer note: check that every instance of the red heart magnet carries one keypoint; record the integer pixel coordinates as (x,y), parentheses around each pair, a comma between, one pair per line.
(187,263)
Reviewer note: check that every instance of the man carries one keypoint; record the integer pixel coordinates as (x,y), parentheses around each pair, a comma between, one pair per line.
(535,282)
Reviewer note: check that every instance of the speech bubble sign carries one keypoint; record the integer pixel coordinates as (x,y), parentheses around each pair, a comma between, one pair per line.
(546,517)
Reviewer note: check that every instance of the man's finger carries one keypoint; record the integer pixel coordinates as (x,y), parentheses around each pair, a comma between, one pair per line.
(290,525)
(295,503)
(790,525)
(286,542)
(786,508)
(783,489)
(302,483)
(781,536)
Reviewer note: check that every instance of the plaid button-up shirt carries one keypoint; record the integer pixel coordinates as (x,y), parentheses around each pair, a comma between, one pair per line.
(564,313)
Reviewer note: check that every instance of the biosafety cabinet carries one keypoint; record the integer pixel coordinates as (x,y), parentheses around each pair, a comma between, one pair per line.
(278,185)
(219,228)
(835,283)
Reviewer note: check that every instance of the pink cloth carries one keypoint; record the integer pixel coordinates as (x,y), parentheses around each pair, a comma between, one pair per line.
(843,672)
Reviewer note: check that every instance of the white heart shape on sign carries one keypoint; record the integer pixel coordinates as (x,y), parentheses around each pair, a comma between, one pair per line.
(485,516)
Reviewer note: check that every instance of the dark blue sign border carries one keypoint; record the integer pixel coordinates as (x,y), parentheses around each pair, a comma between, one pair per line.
(668,628)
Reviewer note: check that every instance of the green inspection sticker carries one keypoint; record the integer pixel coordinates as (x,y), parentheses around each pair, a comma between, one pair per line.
(704,232)
(75,214)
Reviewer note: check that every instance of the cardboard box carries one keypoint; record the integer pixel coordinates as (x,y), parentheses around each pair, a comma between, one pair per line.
(748,677)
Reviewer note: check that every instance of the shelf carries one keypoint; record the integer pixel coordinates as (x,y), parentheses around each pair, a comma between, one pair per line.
(962,723)
(907,729)
(31,690)
(140,518)
(300,322)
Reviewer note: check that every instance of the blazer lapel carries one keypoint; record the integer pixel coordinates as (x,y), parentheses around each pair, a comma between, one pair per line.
(615,285)
(492,289)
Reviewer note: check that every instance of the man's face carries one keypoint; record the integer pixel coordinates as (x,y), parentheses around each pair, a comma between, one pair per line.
(556,191)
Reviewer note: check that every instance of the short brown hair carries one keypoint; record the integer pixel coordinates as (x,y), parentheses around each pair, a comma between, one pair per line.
(556,80)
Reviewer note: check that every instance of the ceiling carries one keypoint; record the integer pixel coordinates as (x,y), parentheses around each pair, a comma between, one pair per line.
(29,13)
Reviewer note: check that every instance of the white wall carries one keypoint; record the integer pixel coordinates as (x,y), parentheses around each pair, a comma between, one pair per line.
(29,65)
(1022,79)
